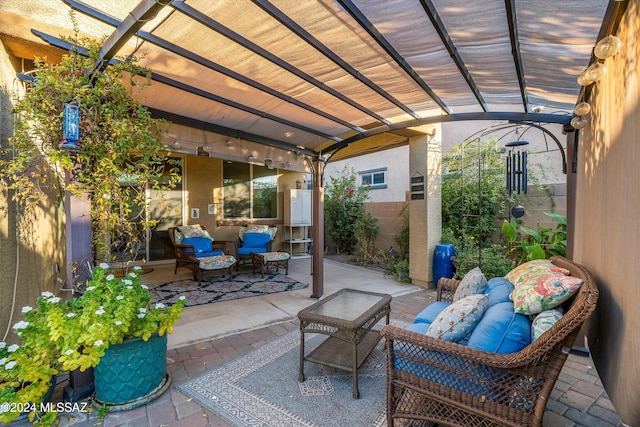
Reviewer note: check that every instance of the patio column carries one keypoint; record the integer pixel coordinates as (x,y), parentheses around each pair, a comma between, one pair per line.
(317,265)
(425,207)
(78,250)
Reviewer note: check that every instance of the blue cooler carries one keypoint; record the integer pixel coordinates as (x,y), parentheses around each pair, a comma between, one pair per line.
(443,262)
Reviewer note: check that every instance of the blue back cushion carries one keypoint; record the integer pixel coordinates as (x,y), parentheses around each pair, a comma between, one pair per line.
(430,312)
(498,290)
(501,330)
(256,240)
(200,244)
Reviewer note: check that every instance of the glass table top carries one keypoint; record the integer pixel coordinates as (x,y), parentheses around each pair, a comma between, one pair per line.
(346,305)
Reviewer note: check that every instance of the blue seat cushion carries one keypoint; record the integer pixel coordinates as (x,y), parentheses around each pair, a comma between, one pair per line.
(420,328)
(209,254)
(254,242)
(498,289)
(431,312)
(200,245)
(501,330)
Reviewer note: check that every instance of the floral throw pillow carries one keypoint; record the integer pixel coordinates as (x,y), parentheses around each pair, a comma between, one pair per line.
(256,228)
(545,321)
(528,272)
(193,231)
(548,291)
(472,283)
(459,319)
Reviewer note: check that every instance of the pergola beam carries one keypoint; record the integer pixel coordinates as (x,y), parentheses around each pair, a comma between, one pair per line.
(246,43)
(391,51)
(171,47)
(320,47)
(432,13)
(510,6)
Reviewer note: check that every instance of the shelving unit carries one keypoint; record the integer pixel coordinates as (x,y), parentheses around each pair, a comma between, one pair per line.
(297,220)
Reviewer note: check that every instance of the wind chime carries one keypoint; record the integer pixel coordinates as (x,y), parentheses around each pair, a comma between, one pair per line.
(516,167)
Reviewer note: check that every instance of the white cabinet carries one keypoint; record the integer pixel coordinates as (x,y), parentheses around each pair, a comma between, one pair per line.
(297,207)
(297,220)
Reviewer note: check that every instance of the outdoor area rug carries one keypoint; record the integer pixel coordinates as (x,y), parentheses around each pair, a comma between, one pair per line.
(222,289)
(261,388)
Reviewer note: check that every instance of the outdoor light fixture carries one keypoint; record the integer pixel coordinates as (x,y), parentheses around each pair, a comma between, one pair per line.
(287,164)
(269,163)
(176,144)
(596,71)
(582,109)
(607,47)
(578,122)
(250,157)
(516,167)
(207,147)
(229,141)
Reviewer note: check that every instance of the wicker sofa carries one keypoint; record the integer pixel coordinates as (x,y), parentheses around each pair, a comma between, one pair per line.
(455,385)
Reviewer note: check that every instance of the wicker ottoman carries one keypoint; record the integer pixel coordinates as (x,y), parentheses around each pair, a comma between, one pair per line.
(275,259)
(218,265)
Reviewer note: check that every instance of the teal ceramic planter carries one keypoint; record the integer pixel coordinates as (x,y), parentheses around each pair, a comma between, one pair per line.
(131,370)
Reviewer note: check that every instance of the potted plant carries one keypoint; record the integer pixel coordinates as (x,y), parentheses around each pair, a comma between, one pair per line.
(112,314)
(81,333)
(28,368)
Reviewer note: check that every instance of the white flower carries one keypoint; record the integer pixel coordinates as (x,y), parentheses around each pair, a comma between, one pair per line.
(137,268)
(120,297)
(100,311)
(2,344)
(47,294)
(13,348)
(140,316)
(127,281)
(132,274)
(144,286)
(21,325)
(182,297)
(129,287)
(90,288)
(160,305)
(26,309)
(68,352)
(98,343)
(3,360)
(117,322)
(111,277)
(71,314)
(142,310)
(54,300)
(104,265)
(10,365)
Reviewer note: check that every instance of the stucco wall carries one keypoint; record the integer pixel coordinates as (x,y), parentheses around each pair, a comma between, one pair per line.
(607,229)
(30,247)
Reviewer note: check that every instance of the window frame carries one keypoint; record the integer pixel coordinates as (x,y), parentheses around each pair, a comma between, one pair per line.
(372,173)
(251,196)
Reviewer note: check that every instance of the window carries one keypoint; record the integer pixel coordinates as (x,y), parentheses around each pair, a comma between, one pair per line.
(374,178)
(250,191)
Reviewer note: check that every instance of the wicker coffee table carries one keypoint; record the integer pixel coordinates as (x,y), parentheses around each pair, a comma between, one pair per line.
(348,317)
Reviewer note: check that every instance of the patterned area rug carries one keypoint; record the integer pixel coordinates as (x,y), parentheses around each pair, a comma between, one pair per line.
(261,389)
(222,289)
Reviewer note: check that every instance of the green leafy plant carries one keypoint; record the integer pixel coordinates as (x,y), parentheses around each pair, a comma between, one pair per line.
(120,155)
(402,238)
(366,230)
(74,334)
(399,268)
(344,206)
(526,244)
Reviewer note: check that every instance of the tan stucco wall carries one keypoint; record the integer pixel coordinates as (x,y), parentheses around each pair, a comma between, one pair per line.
(607,227)
(390,220)
(34,253)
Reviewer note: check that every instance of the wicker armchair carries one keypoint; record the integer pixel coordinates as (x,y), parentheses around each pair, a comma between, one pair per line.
(454,385)
(186,254)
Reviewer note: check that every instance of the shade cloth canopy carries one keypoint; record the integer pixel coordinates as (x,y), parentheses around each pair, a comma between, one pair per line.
(315,75)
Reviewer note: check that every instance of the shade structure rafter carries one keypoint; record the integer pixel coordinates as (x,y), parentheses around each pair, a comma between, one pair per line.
(57,42)
(263,53)
(510,6)
(187,54)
